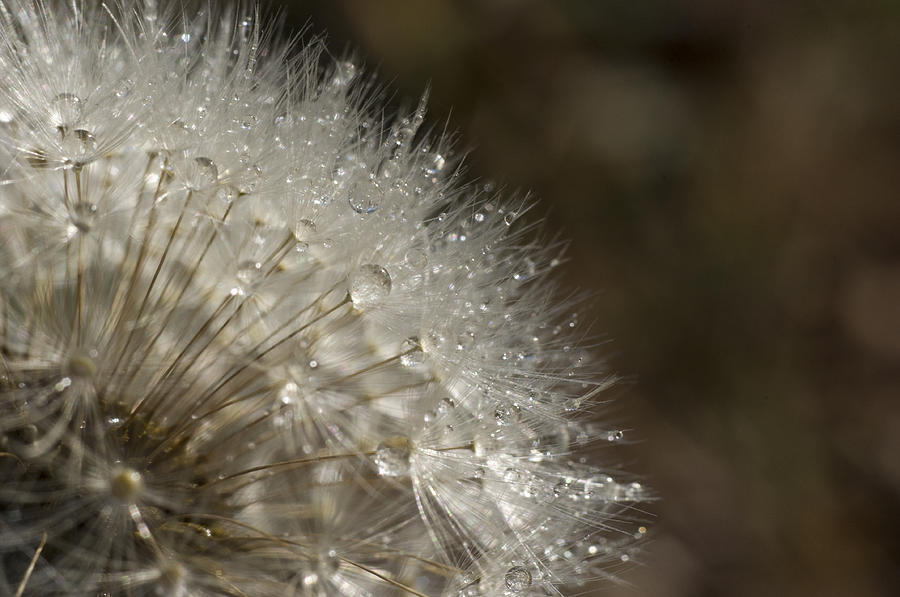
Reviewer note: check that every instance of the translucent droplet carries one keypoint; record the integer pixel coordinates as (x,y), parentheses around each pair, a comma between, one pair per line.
(392,457)
(370,285)
(434,164)
(411,353)
(517,578)
(66,109)
(77,144)
(126,484)
(198,173)
(81,365)
(344,73)
(512,475)
(387,170)
(416,258)
(289,394)
(560,488)
(502,415)
(614,435)
(304,230)
(509,218)
(250,179)
(363,196)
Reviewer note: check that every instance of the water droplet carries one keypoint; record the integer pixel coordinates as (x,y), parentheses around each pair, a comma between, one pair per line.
(517,579)
(387,169)
(411,353)
(126,484)
(81,365)
(509,218)
(77,144)
(250,179)
(512,475)
(289,393)
(479,217)
(502,415)
(434,164)
(560,488)
(344,73)
(392,457)
(416,258)
(446,405)
(304,230)
(197,173)
(370,285)
(363,196)
(65,109)
(614,435)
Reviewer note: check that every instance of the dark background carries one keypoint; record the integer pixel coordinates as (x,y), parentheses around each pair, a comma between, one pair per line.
(727,173)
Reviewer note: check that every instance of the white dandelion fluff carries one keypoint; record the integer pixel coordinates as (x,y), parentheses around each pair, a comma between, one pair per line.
(256,340)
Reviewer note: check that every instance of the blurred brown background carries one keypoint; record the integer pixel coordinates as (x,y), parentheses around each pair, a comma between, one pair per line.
(727,173)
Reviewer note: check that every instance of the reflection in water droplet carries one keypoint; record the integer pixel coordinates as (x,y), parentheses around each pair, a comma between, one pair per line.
(370,285)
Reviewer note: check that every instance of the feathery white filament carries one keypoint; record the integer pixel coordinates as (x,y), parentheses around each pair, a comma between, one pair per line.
(255,340)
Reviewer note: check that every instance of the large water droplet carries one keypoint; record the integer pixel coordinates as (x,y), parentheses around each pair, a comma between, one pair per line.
(364,196)
(392,457)
(77,144)
(517,579)
(370,285)
(66,109)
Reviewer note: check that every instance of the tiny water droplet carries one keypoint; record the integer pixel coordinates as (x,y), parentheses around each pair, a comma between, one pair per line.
(344,73)
(416,258)
(411,353)
(392,457)
(517,579)
(434,164)
(369,285)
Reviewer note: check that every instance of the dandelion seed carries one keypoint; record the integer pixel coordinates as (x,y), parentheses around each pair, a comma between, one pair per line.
(239,353)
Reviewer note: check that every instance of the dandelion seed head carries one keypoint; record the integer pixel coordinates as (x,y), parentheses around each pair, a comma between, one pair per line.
(257,340)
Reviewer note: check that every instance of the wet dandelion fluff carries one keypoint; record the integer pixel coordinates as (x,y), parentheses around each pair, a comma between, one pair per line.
(255,340)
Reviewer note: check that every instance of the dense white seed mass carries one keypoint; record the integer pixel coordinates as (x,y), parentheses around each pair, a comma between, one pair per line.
(257,340)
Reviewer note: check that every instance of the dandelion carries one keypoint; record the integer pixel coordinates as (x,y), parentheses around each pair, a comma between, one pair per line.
(256,340)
